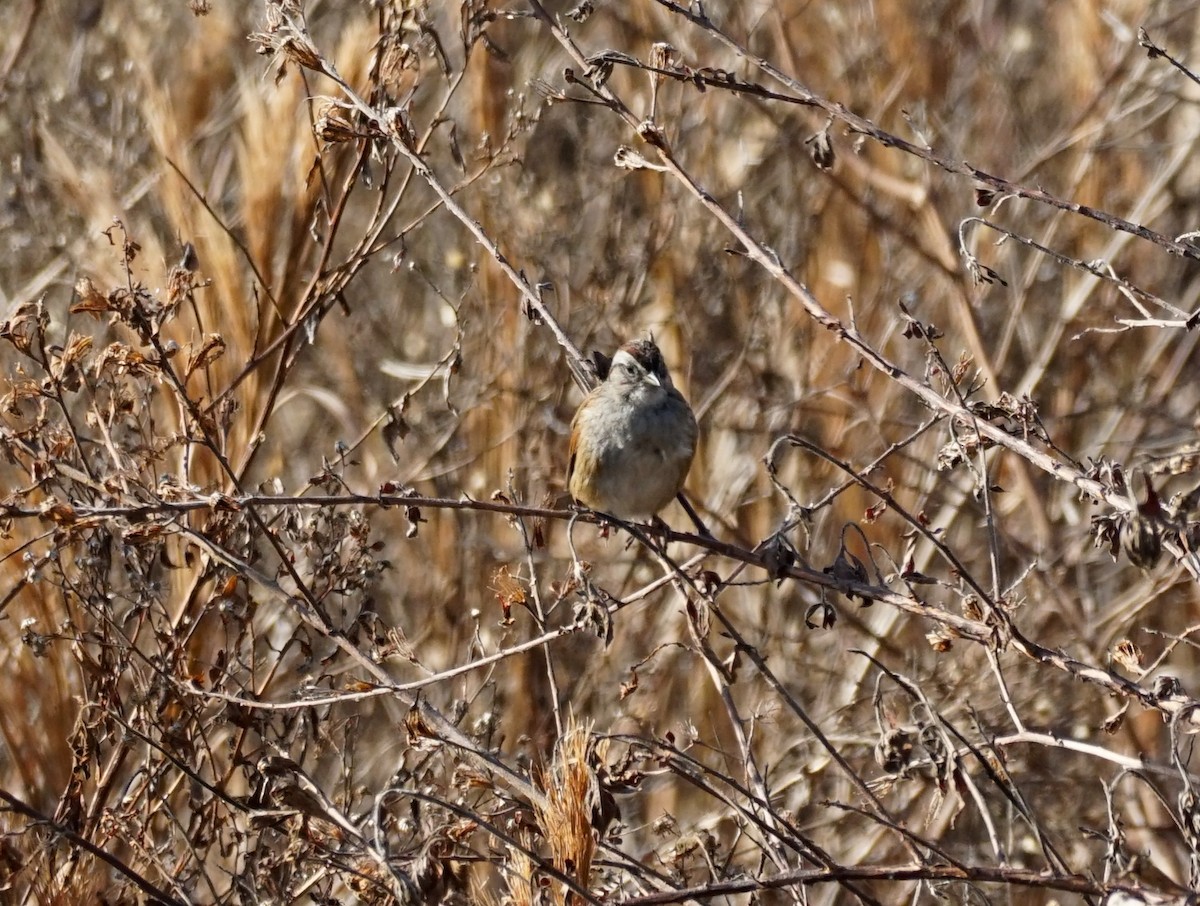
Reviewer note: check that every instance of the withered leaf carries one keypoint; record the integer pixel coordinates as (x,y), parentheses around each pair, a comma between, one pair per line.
(123,359)
(26,328)
(91,300)
(210,350)
(61,513)
(416,726)
(1113,724)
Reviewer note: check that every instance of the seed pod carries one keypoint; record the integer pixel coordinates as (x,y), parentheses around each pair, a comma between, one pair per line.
(1143,545)
(895,749)
(1167,686)
(821,149)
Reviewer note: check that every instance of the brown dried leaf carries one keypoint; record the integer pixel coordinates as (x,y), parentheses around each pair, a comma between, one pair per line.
(65,369)
(181,285)
(210,350)
(123,359)
(26,328)
(630,686)
(60,513)
(333,125)
(91,300)
(1113,723)
(78,346)
(821,150)
(417,727)
(19,392)
(146,533)
(939,641)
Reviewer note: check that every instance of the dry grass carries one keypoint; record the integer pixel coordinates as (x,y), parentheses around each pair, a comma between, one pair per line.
(246,699)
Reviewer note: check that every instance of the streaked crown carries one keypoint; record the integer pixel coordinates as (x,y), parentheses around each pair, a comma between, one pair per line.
(640,360)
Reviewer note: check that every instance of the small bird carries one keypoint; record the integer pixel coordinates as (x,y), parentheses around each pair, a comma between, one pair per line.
(632,438)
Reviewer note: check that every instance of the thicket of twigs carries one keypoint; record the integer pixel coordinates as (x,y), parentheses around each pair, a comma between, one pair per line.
(293,607)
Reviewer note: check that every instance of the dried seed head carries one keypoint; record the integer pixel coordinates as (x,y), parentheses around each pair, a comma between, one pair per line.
(820,149)
(651,133)
(895,749)
(778,557)
(582,11)
(628,159)
(1128,656)
(662,55)
(847,567)
(1167,686)
(1143,537)
(334,126)
(1143,543)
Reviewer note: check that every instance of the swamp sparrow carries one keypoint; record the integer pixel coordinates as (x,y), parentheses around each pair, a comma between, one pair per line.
(632,438)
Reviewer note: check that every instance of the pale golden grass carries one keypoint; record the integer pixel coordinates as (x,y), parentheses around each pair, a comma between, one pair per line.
(1055,97)
(572,798)
(565,826)
(520,879)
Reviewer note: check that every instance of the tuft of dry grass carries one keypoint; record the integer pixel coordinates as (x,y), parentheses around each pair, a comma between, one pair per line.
(571,809)
(291,606)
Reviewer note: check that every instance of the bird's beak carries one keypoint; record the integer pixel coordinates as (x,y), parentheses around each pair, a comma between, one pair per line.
(653,379)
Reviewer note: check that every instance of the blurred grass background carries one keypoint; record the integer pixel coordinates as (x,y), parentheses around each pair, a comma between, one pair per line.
(170,122)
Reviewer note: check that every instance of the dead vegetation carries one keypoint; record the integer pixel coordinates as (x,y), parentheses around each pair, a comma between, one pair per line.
(292,606)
